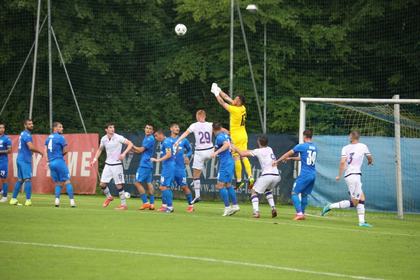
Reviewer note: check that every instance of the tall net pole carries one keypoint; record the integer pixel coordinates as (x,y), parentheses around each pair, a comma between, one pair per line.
(50,67)
(31,105)
(398,177)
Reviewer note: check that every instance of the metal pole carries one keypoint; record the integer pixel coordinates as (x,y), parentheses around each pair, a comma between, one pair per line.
(232,18)
(265,78)
(50,66)
(398,177)
(31,104)
(302,124)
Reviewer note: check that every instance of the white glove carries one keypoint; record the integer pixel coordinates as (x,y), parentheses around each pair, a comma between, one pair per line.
(215,89)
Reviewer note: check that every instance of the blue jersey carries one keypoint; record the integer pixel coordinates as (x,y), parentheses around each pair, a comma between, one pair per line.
(226,155)
(24,154)
(184,146)
(5,144)
(307,152)
(148,145)
(167,145)
(55,144)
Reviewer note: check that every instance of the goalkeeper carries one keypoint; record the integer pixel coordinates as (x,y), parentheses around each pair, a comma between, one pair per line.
(237,111)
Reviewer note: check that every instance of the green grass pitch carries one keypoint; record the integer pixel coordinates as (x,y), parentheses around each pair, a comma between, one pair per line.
(89,242)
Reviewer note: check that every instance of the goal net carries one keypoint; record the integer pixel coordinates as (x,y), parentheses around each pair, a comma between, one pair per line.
(392,133)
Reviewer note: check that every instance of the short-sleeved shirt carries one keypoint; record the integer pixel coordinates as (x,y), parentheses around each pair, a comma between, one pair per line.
(24,153)
(308,153)
(226,155)
(354,154)
(5,144)
(55,144)
(237,119)
(265,157)
(113,147)
(184,146)
(148,144)
(167,145)
(203,132)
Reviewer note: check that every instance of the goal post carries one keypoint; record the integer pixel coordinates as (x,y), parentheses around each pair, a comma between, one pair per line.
(374,117)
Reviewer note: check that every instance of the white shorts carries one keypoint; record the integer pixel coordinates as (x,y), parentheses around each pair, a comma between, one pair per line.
(115,172)
(354,184)
(201,157)
(266,182)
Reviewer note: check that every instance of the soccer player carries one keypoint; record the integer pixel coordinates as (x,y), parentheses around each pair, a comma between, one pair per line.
(181,160)
(203,132)
(237,111)
(305,181)
(226,166)
(269,178)
(144,172)
(167,157)
(24,163)
(5,150)
(56,148)
(113,170)
(352,156)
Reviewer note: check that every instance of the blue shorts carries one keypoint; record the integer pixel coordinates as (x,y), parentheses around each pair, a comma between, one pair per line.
(144,175)
(4,170)
(226,171)
(59,170)
(180,177)
(167,177)
(24,170)
(304,184)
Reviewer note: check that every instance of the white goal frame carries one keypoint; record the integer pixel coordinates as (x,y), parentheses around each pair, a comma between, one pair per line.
(396,101)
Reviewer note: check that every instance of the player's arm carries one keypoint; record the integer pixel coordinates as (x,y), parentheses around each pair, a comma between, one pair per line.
(97,155)
(33,149)
(188,153)
(284,157)
(246,153)
(7,151)
(226,146)
(138,150)
(226,97)
(182,137)
(369,159)
(127,149)
(165,157)
(222,103)
(341,168)
(293,158)
(65,150)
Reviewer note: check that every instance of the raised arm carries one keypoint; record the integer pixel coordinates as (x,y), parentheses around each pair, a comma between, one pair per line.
(226,97)
(183,136)
(222,103)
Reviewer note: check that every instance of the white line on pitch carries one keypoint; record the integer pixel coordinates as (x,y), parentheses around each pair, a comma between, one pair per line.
(201,259)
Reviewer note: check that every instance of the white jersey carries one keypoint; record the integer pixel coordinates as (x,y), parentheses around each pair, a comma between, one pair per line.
(354,154)
(113,148)
(203,132)
(265,157)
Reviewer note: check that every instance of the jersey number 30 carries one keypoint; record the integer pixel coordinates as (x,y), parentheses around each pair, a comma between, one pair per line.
(310,160)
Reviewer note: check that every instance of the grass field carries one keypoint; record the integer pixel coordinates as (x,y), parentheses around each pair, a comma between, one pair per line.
(89,242)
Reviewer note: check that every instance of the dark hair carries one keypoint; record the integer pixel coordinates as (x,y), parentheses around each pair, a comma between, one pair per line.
(160,131)
(307,133)
(263,140)
(242,98)
(149,124)
(107,125)
(3,124)
(26,121)
(217,126)
(55,124)
(355,134)
(173,124)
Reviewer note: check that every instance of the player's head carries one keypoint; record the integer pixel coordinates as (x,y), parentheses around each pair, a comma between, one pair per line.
(58,127)
(239,101)
(2,127)
(307,135)
(148,129)
(109,128)
(354,136)
(28,124)
(217,128)
(159,135)
(200,116)
(174,129)
(262,141)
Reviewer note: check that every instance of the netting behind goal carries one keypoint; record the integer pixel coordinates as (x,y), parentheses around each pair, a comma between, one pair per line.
(332,123)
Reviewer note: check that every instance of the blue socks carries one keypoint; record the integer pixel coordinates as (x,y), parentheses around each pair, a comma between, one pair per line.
(304,202)
(297,203)
(152,199)
(189,198)
(28,189)
(16,190)
(167,197)
(232,195)
(5,189)
(57,191)
(143,198)
(224,196)
(69,189)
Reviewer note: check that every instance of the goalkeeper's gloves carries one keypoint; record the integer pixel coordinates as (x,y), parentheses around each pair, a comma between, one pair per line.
(215,89)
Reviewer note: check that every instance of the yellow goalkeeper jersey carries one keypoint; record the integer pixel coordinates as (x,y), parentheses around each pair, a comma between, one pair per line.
(237,119)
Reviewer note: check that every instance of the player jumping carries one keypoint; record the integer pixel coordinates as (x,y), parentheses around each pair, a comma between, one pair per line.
(226,165)
(352,156)
(269,178)
(113,170)
(237,111)
(56,149)
(144,172)
(24,163)
(5,150)
(181,160)
(305,181)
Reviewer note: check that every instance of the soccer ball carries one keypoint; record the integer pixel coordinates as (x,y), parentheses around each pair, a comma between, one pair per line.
(180,29)
(127,195)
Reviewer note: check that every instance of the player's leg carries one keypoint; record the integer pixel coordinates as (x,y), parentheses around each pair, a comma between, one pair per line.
(118,176)
(27,175)
(360,207)
(255,200)
(306,192)
(106,177)
(298,187)
(227,178)
(3,183)
(18,185)
(243,145)
(166,181)
(151,193)
(58,184)
(224,196)
(141,176)
(65,178)
(351,185)
(269,194)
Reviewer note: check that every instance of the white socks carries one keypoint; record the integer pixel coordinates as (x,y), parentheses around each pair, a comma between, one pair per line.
(270,199)
(341,204)
(197,187)
(361,212)
(122,197)
(255,203)
(106,192)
